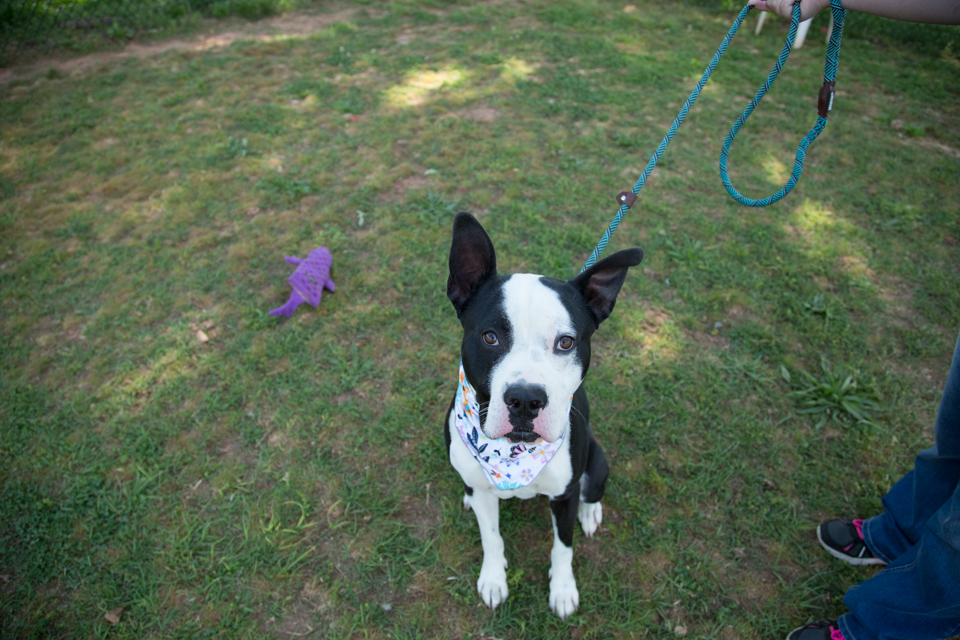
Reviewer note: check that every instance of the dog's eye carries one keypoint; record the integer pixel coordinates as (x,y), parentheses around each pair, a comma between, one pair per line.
(490,338)
(565,343)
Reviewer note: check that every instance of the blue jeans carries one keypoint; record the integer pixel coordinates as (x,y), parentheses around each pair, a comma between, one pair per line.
(917,596)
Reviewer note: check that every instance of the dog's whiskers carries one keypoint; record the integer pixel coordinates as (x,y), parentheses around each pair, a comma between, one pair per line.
(578,411)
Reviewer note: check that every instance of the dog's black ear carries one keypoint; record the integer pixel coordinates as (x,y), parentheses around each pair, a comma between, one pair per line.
(600,284)
(472,260)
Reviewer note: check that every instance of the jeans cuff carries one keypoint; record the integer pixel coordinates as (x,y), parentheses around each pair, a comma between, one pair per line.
(845,629)
(871,545)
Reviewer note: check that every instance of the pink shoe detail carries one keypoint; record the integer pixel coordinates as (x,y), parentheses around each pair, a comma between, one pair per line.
(835,633)
(859,525)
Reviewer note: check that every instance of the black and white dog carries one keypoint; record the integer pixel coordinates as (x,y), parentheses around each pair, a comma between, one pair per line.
(519,424)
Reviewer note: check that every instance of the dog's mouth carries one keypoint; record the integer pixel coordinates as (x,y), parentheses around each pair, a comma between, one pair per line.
(521,436)
(523,430)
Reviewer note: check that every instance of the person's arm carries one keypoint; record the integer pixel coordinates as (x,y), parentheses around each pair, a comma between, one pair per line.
(929,11)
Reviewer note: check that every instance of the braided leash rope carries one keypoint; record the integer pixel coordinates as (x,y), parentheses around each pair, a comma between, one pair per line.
(824,103)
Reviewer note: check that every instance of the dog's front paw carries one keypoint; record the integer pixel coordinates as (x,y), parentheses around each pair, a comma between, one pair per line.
(590,515)
(564,597)
(467,504)
(492,584)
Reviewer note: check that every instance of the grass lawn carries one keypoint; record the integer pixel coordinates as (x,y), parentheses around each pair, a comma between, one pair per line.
(169,448)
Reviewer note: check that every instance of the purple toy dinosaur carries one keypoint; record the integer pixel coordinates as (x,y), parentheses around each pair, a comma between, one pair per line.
(310,278)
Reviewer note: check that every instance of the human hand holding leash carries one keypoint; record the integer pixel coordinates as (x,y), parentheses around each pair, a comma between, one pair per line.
(784,8)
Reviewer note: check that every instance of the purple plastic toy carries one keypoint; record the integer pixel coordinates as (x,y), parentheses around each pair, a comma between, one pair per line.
(310,278)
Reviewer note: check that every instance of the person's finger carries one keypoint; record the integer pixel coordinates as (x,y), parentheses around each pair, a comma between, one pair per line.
(782,8)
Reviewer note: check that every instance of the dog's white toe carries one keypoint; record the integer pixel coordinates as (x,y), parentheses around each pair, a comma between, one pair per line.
(590,515)
(492,585)
(564,597)
(467,505)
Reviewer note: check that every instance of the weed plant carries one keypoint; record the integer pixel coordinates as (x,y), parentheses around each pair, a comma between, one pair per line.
(835,395)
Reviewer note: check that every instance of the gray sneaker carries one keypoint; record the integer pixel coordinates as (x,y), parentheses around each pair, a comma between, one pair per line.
(843,539)
(821,630)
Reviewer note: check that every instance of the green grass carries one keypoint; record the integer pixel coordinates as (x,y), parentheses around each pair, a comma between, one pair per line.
(29,30)
(287,477)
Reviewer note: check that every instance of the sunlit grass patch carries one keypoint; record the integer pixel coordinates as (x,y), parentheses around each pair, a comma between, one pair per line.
(654,333)
(517,69)
(776,170)
(813,216)
(420,87)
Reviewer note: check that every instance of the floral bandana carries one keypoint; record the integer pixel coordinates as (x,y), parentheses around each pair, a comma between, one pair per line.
(506,465)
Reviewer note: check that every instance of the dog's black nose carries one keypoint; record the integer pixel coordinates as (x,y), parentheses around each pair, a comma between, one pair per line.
(525,400)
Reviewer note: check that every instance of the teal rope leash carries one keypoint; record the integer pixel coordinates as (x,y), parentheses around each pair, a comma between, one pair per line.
(825,102)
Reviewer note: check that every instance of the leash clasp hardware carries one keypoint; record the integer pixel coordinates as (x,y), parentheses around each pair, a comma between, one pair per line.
(825,99)
(626,198)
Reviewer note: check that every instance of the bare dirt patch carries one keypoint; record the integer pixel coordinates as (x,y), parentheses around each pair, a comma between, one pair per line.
(737,313)
(106,142)
(650,566)
(423,514)
(482,114)
(708,340)
(406,184)
(233,449)
(300,620)
(898,295)
(406,37)
(296,24)
(933,144)
(758,587)
(654,319)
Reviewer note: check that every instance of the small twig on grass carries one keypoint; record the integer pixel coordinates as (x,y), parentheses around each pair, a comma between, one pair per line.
(294,633)
(264,436)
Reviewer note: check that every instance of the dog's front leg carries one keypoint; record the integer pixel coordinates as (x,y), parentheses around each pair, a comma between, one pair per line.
(492,584)
(564,597)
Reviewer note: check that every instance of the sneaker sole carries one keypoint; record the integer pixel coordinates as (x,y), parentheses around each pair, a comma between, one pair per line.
(790,635)
(839,555)
(797,630)
(793,632)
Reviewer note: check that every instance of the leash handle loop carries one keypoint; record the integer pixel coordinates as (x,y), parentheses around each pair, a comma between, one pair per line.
(824,104)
